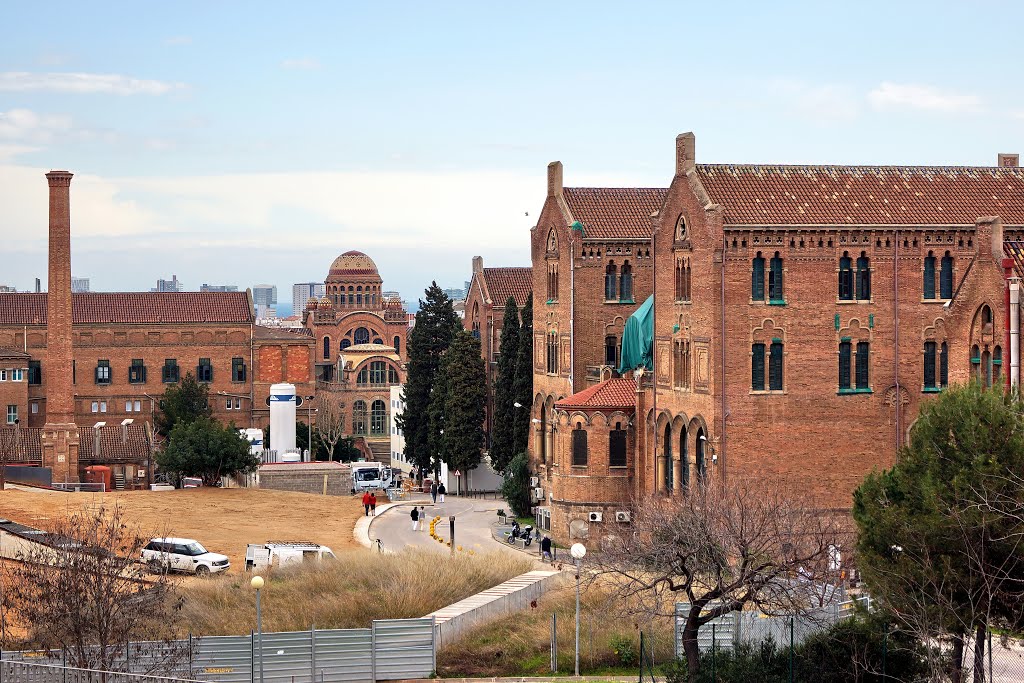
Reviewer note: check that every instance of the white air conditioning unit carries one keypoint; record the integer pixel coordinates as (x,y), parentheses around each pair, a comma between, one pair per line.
(622,516)
(538,494)
(595,516)
(534,482)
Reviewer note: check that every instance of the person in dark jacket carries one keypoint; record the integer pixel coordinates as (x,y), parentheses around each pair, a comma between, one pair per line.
(441,490)
(415,514)
(433,492)
(545,548)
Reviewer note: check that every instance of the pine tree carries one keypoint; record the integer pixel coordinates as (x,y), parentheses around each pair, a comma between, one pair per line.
(459,400)
(436,325)
(523,382)
(503,426)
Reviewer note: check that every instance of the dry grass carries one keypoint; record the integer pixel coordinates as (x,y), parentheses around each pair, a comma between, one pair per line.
(520,644)
(347,593)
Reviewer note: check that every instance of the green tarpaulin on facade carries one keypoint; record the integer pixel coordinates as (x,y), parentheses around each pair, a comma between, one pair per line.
(638,338)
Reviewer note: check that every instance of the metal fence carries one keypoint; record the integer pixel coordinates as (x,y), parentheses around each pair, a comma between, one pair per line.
(390,649)
(29,672)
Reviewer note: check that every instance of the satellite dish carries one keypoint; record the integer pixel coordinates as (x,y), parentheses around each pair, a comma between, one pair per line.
(298,401)
(268,400)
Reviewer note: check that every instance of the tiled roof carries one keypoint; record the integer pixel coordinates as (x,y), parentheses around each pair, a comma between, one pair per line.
(614,212)
(14,354)
(864,195)
(264,332)
(502,283)
(132,307)
(136,447)
(21,445)
(615,393)
(1015,251)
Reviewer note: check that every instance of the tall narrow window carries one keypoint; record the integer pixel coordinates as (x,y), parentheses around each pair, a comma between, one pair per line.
(684,460)
(579,446)
(238,370)
(667,441)
(844,365)
(378,417)
(997,365)
(617,446)
(946,277)
(103,372)
(757,278)
(986,368)
(775,294)
(552,353)
(359,417)
(976,363)
(686,280)
(137,371)
(845,277)
(170,371)
(610,282)
(611,350)
(398,344)
(775,366)
(863,277)
(35,372)
(327,348)
(757,367)
(929,364)
(929,277)
(543,435)
(204,371)
(863,352)
(679,279)
(626,283)
(699,459)
(944,365)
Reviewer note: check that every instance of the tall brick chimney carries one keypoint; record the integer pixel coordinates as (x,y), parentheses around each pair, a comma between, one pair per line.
(478,264)
(60,433)
(555,179)
(686,153)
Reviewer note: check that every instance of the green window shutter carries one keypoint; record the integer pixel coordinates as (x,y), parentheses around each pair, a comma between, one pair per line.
(757,367)
(946,278)
(929,365)
(863,279)
(775,279)
(757,279)
(929,277)
(944,365)
(775,367)
(844,365)
(845,279)
(862,365)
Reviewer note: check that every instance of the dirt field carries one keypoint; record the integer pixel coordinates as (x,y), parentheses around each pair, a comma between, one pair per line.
(224,520)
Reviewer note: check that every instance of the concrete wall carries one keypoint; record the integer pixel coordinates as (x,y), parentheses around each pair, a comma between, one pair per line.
(339,483)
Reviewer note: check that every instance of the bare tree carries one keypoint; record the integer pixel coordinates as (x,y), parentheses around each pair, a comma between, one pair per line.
(722,547)
(330,422)
(82,588)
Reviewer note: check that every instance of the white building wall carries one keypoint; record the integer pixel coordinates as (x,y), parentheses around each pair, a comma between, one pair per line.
(397,437)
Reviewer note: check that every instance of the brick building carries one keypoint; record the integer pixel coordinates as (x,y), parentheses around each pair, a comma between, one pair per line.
(801,315)
(360,337)
(486,296)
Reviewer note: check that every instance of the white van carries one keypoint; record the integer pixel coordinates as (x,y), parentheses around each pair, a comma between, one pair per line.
(259,556)
(370,476)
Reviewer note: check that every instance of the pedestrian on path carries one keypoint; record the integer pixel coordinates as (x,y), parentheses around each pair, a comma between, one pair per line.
(441,490)
(423,515)
(415,514)
(545,548)
(433,491)
(366,502)
(373,504)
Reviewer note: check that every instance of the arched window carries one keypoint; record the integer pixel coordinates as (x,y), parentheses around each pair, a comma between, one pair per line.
(775,365)
(359,295)
(757,366)
(398,344)
(392,375)
(378,340)
(684,460)
(863,358)
(686,280)
(986,368)
(929,276)
(976,363)
(845,277)
(552,353)
(543,436)
(668,458)
(986,315)
(930,348)
(361,336)
(757,278)
(327,348)
(611,350)
(863,277)
(699,456)
(344,344)
(845,353)
(626,283)
(617,446)
(997,365)
(610,281)
(579,446)
(946,277)
(359,417)
(944,365)
(775,294)
(351,296)
(378,418)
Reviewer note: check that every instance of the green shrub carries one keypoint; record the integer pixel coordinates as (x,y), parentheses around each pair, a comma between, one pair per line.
(624,649)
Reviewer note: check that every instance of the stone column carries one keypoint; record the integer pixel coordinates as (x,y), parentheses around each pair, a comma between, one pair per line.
(60,433)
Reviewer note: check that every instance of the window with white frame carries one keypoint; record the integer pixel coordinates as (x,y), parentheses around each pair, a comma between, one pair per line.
(12,414)
(17,375)
(3,375)
(35,409)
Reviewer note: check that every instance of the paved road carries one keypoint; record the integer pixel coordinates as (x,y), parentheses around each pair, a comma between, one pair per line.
(473,519)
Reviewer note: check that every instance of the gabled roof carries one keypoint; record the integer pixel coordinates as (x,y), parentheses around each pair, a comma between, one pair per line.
(501,283)
(132,307)
(293,333)
(21,445)
(113,445)
(614,212)
(14,354)
(617,393)
(864,195)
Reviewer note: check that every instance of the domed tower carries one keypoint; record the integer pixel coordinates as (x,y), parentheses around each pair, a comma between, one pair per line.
(354,283)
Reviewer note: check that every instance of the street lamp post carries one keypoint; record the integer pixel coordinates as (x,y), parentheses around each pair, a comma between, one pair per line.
(578,552)
(257,584)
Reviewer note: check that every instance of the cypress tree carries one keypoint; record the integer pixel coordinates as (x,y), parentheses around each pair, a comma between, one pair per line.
(436,325)
(458,403)
(503,424)
(523,383)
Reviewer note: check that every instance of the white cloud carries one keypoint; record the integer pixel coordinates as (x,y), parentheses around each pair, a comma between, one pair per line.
(27,125)
(889,96)
(303,63)
(111,84)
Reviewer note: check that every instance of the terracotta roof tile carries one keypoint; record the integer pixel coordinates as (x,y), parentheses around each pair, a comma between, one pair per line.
(113,446)
(614,212)
(1015,251)
(132,307)
(864,195)
(615,393)
(264,332)
(21,445)
(502,283)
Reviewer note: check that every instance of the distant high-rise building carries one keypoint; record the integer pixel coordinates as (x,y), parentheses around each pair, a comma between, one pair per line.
(7,288)
(218,288)
(303,292)
(79,284)
(455,294)
(172,285)
(391,295)
(264,298)
(39,286)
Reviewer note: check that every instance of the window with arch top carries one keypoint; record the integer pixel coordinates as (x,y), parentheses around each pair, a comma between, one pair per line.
(361,336)
(617,446)
(946,277)
(928,290)
(845,277)
(359,417)
(863,277)
(579,446)
(775,295)
(626,283)
(378,417)
(610,281)
(757,278)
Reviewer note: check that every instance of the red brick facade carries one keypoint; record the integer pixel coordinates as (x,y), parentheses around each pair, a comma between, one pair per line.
(827,233)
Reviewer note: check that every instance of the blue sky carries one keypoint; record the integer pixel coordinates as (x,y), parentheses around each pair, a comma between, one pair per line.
(252,142)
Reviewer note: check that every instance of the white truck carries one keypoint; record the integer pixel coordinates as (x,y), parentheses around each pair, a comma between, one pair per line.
(259,556)
(369,476)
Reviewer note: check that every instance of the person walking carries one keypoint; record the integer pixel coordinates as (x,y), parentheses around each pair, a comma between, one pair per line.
(433,491)
(366,502)
(373,504)
(545,549)
(423,516)
(441,490)
(415,514)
